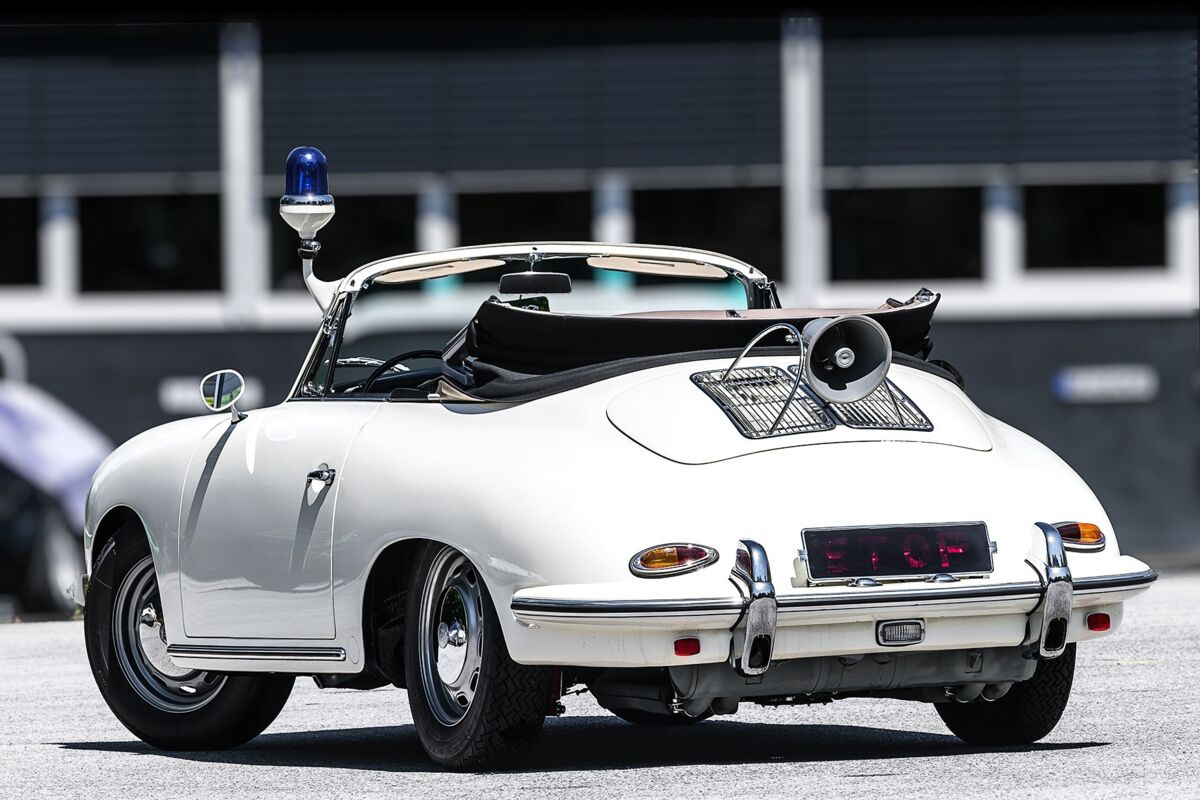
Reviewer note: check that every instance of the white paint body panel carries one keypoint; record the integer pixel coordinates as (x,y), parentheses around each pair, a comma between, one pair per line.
(256,537)
(550,499)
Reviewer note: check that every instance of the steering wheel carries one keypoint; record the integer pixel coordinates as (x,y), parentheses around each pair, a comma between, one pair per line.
(377,373)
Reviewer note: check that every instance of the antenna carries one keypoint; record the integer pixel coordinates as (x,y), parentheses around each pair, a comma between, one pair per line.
(307,206)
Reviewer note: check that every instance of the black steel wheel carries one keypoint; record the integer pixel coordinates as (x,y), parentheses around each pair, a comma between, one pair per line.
(171,707)
(473,706)
(1026,714)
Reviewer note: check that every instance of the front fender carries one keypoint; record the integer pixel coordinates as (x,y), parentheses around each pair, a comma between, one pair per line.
(145,475)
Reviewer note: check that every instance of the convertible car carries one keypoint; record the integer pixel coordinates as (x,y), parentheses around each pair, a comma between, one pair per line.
(678,511)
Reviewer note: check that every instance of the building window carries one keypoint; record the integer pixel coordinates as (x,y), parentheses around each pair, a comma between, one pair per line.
(135,244)
(525,217)
(905,234)
(19,232)
(363,230)
(1103,227)
(745,223)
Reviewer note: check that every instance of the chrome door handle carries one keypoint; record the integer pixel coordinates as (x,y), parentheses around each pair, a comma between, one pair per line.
(323,474)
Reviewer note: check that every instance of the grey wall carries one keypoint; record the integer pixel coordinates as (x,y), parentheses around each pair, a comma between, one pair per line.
(427,96)
(81,99)
(984,95)
(1142,460)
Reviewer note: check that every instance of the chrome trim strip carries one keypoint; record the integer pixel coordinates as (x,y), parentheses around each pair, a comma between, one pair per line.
(950,595)
(240,653)
(1031,590)
(552,606)
(1108,583)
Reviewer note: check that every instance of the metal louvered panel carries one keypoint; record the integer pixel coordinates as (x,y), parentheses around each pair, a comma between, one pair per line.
(754,397)
(887,408)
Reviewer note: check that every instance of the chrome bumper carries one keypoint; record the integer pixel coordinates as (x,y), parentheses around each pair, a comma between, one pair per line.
(1057,598)
(1050,618)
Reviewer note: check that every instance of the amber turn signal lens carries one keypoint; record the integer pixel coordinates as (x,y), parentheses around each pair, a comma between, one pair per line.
(671,559)
(1081,533)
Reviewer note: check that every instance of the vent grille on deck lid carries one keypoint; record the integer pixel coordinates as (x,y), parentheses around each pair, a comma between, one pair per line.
(887,408)
(753,398)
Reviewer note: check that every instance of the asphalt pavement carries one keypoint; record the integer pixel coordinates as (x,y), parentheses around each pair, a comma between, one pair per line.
(1130,730)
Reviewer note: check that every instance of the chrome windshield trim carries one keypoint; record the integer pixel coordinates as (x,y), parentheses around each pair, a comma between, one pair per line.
(240,653)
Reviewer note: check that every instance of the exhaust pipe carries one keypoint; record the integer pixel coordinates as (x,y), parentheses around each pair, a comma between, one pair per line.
(994,691)
(969,692)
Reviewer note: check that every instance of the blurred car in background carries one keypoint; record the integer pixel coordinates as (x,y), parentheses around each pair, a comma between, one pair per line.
(48,454)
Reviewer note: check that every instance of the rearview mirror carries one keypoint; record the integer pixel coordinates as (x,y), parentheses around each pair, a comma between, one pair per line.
(535,283)
(221,389)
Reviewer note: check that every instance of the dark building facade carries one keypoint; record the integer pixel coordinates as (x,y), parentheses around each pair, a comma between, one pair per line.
(1040,172)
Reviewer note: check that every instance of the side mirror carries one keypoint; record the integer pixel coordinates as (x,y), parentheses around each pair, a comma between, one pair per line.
(221,389)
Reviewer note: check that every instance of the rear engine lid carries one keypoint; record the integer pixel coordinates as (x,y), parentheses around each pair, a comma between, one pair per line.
(673,417)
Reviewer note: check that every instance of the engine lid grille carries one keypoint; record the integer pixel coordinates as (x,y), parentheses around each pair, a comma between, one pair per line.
(887,408)
(754,397)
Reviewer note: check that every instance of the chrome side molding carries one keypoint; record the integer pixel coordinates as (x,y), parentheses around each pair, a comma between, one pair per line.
(753,571)
(1057,599)
(239,653)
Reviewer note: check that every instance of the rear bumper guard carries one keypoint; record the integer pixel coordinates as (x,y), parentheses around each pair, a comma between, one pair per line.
(1057,598)
(752,574)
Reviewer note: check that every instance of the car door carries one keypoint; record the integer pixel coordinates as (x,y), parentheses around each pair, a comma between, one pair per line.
(255,532)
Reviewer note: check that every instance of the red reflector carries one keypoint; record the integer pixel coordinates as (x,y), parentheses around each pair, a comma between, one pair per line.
(1095,622)
(687,647)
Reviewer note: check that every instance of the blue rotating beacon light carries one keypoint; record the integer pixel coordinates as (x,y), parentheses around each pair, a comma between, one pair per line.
(307,206)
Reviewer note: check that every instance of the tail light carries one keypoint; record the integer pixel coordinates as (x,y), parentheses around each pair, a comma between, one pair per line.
(671,559)
(1098,622)
(1081,535)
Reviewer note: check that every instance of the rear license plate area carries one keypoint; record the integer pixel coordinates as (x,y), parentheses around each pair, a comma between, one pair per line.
(901,552)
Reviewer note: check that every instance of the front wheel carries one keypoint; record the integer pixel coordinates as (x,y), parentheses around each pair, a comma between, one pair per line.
(170,707)
(473,706)
(1026,714)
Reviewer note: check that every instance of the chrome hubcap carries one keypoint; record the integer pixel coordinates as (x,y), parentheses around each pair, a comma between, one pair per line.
(140,638)
(451,636)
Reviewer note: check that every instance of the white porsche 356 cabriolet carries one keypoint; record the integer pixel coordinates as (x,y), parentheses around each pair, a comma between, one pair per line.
(681,511)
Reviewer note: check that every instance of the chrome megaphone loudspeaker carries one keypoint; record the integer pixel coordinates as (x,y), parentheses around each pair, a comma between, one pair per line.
(845,358)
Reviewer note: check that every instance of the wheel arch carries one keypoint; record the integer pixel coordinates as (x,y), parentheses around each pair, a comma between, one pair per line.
(384,600)
(111,522)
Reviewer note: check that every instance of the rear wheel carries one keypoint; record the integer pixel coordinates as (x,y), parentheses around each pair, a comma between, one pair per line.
(168,706)
(1026,714)
(474,707)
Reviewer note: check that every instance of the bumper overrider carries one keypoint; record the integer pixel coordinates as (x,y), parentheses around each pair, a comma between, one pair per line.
(758,616)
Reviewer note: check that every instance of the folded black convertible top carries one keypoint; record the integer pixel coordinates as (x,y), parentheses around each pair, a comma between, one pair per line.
(541,342)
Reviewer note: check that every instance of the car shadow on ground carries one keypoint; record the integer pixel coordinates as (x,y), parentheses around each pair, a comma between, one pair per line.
(592,743)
